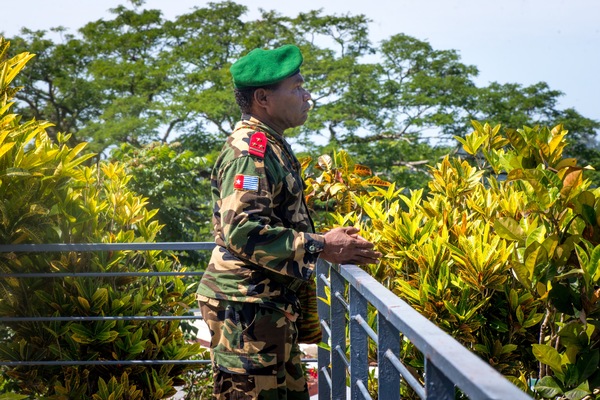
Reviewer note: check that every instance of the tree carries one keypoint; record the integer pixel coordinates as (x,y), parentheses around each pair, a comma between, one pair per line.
(57,86)
(139,78)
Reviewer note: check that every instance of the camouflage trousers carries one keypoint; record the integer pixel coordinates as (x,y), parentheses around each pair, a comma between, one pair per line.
(255,353)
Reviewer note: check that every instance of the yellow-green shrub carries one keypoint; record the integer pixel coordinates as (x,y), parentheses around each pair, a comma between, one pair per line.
(49,195)
(502,253)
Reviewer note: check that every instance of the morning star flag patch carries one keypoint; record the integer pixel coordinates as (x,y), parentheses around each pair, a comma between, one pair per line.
(245,182)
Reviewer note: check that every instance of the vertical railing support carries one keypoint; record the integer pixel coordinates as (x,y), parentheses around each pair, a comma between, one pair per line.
(338,336)
(437,385)
(359,349)
(448,365)
(323,355)
(389,343)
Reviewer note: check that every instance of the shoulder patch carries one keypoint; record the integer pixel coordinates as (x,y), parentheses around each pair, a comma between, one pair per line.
(245,182)
(258,144)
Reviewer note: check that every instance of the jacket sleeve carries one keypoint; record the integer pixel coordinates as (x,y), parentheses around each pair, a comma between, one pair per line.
(250,227)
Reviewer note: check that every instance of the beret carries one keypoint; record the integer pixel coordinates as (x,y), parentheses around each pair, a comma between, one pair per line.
(266,67)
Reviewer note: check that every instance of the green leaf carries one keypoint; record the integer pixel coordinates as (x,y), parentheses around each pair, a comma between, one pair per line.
(560,296)
(548,355)
(592,267)
(81,334)
(100,298)
(533,320)
(509,229)
(589,214)
(84,303)
(522,273)
(579,392)
(548,387)
(588,364)
(81,338)
(12,396)
(538,236)
(6,147)
(570,374)
(520,315)
(509,348)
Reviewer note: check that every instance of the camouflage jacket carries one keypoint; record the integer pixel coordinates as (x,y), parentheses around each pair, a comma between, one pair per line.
(266,245)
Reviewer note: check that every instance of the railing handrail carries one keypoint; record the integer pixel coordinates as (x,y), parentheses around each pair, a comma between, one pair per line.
(60,247)
(448,363)
(95,247)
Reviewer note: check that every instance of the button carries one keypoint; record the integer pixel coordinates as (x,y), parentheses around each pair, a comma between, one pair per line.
(312,248)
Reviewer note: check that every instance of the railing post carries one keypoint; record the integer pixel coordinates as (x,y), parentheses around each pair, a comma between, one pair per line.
(359,348)
(323,355)
(338,336)
(437,385)
(389,341)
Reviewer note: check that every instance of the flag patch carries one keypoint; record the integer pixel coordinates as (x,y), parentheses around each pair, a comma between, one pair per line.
(245,182)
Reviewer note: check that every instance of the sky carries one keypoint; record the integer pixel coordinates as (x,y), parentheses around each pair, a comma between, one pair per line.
(509,41)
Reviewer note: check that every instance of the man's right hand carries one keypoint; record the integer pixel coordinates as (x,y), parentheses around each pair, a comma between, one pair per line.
(345,246)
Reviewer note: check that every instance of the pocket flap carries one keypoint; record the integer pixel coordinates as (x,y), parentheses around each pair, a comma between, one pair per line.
(250,364)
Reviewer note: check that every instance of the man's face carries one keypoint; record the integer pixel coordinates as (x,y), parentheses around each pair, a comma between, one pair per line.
(288,105)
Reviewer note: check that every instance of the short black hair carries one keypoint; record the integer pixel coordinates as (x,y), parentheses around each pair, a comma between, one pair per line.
(245,96)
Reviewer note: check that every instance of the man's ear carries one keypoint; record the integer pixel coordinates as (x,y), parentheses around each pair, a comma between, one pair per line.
(260,97)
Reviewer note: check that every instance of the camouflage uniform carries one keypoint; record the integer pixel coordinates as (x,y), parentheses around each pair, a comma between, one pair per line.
(266,250)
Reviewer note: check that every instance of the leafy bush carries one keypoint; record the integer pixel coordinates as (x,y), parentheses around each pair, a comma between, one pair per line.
(502,253)
(49,195)
(176,183)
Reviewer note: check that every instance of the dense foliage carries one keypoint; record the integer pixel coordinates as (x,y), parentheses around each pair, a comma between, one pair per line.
(503,253)
(48,195)
(176,183)
(139,78)
(497,247)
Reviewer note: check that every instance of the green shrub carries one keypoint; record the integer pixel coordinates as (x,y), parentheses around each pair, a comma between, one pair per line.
(49,195)
(503,253)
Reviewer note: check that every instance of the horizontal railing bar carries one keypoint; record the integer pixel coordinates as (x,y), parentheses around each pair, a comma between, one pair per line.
(107,318)
(325,280)
(471,374)
(363,324)
(342,300)
(95,274)
(327,377)
(363,390)
(342,355)
(59,247)
(326,327)
(102,362)
(405,373)
(114,362)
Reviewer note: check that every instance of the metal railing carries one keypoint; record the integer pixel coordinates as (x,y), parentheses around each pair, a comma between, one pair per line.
(97,247)
(448,365)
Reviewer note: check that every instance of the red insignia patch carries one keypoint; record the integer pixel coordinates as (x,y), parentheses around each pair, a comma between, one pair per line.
(258,144)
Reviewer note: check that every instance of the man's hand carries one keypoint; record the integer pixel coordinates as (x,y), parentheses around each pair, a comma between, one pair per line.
(346,246)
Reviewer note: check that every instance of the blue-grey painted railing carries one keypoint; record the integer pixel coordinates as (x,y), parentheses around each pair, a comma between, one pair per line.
(448,365)
(87,247)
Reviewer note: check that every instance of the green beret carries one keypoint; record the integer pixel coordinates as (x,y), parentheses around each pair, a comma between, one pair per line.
(266,67)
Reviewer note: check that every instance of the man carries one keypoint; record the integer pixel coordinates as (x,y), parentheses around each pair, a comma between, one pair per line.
(266,244)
